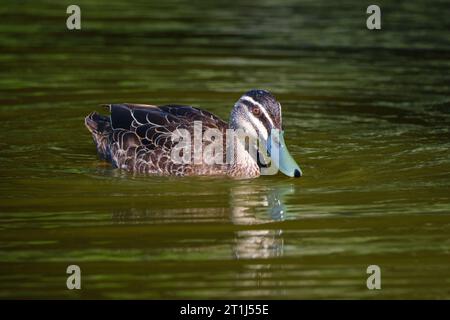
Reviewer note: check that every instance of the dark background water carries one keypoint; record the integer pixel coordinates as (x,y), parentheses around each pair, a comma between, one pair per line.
(366,114)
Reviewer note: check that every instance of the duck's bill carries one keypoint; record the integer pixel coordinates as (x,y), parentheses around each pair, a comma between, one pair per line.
(280,156)
(287,164)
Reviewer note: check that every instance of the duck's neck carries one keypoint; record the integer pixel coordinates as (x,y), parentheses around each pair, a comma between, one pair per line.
(243,165)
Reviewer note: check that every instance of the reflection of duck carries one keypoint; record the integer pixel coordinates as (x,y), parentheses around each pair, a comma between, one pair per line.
(262,243)
(139,137)
(258,205)
(245,203)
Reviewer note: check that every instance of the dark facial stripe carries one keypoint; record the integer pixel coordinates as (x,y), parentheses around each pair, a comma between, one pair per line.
(248,104)
(265,122)
(262,117)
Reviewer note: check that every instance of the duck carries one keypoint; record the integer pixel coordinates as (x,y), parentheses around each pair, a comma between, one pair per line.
(142,138)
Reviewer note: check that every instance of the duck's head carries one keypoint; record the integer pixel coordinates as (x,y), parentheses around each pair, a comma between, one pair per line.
(258,114)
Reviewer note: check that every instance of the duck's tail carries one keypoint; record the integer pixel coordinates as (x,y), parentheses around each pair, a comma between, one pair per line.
(100,127)
(96,123)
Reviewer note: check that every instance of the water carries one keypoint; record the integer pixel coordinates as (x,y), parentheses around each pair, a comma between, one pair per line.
(366,114)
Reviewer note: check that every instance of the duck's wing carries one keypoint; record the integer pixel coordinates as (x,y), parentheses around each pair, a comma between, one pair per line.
(154,125)
(190,114)
(128,116)
(140,137)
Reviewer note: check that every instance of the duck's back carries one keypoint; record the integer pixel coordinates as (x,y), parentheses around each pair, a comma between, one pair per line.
(139,137)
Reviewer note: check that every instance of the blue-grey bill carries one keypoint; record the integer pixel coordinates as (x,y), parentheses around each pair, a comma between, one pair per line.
(286,163)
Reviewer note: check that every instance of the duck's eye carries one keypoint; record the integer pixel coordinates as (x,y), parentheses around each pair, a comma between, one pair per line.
(256,111)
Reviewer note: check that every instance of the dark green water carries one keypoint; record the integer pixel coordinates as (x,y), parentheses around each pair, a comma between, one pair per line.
(366,113)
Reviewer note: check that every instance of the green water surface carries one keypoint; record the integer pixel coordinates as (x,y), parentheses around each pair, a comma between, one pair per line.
(366,115)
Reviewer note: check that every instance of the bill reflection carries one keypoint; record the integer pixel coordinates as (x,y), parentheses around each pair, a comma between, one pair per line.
(259,208)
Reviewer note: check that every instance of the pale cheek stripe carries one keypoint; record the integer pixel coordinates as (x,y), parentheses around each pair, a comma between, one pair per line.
(267,117)
(251,100)
(258,124)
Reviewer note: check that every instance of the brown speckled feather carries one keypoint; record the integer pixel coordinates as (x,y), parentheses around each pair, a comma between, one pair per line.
(138,137)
